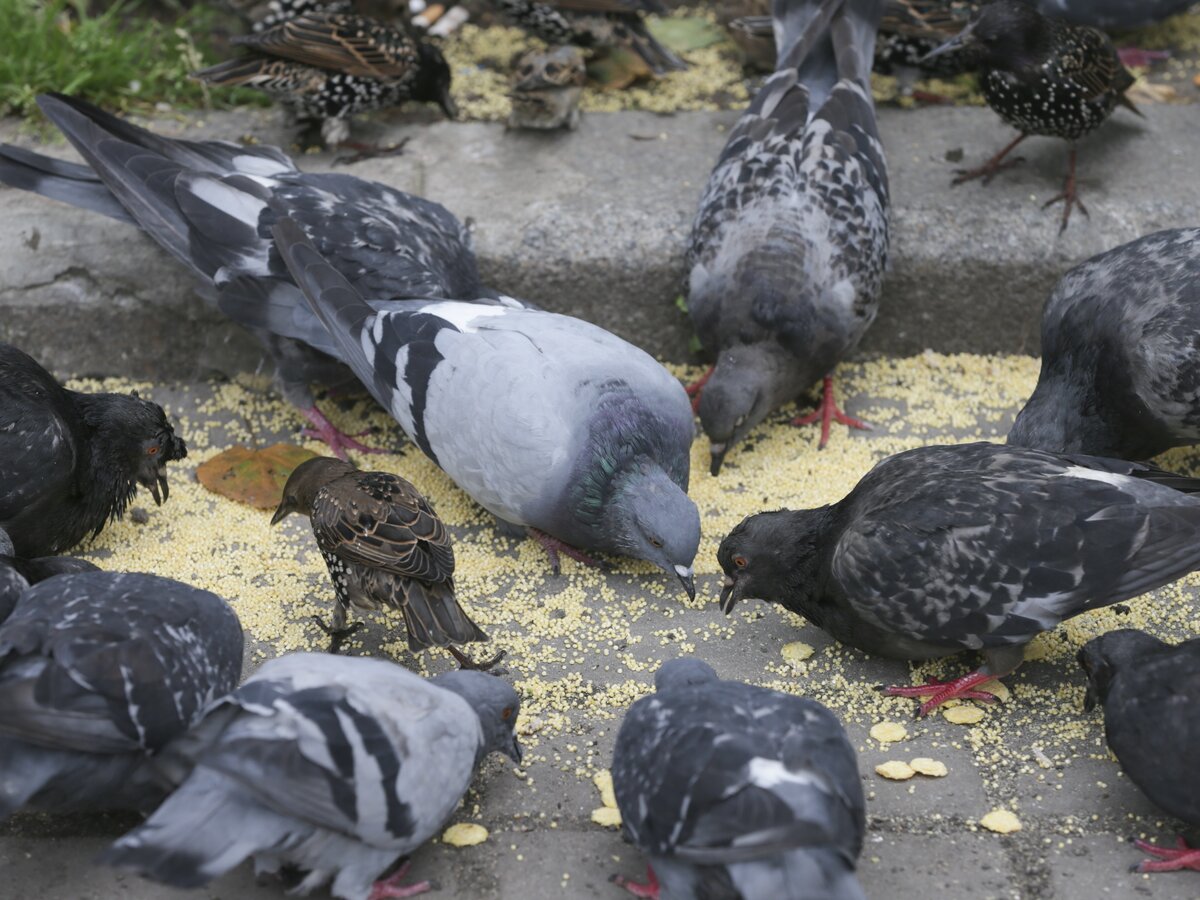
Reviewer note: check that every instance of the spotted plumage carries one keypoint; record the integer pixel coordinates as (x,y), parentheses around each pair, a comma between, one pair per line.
(969,547)
(789,245)
(326,67)
(1120,373)
(595,23)
(384,546)
(911,29)
(1043,77)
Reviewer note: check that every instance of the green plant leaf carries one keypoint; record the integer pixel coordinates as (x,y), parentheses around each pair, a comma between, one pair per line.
(683,34)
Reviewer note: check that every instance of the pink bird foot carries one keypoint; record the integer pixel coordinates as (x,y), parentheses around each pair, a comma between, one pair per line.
(1167,859)
(648,891)
(696,387)
(957,689)
(339,442)
(828,412)
(390,887)
(553,547)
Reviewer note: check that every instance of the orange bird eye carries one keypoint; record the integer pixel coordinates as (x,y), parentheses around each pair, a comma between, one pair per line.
(740,562)
(507,714)
(152,451)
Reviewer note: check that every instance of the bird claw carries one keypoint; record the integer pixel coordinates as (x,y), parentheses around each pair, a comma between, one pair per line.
(338,636)
(465,662)
(339,442)
(987,171)
(647,891)
(941,691)
(553,546)
(390,887)
(1167,859)
(367,151)
(827,412)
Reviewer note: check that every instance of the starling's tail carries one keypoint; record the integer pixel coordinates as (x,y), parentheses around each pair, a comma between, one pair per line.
(435,619)
(64,181)
(199,833)
(655,55)
(242,70)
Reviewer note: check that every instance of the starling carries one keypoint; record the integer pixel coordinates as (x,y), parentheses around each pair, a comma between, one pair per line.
(595,23)
(546,89)
(328,768)
(1150,692)
(1120,373)
(69,461)
(912,29)
(789,245)
(384,546)
(327,67)
(1042,76)
(968,547)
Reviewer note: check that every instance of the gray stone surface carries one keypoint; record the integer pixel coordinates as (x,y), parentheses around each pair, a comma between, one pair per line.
(594,223)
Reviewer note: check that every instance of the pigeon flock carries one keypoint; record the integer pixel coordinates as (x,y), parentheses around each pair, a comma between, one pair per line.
(125,690)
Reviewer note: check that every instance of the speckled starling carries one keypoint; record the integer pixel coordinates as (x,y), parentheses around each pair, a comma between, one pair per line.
(595,23)
(1042,76)
(384,546)
(327,67)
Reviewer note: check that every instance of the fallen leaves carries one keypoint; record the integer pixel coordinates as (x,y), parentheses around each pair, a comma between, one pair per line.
(253,477)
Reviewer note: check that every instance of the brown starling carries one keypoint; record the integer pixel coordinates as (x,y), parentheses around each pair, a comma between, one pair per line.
(328,67)
(1042,76)
(546,89)
(384,546)
(594,23)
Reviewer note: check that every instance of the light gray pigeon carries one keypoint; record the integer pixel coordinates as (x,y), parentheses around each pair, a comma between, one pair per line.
(1120,369)
(205,203)
(334,765)
(733,790)
(549,422)
(98,671)
(789,245)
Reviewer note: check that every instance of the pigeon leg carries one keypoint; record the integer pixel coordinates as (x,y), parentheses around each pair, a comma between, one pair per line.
(339,442)
(387,888)
(368,151)
(1069,196)
(989,169)
(828,412)
(1166,859)
(694,389)
(1137,58)
(959,688)
(553,546)
(649,890)
(465,662)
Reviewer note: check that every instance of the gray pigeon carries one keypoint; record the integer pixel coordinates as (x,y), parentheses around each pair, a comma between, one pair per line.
(737,791)
(550,423)
(1150,691)
(789,246)
(1114,13)
(968,547)
(205,203)
(17,574)
(99,671)
(333,765)
(1120,369)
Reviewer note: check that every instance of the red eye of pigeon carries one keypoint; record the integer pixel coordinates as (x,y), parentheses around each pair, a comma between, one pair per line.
(507,713)
(740,562)
(152,451)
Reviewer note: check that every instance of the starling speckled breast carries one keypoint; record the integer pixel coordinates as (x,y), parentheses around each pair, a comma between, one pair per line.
(1044,77)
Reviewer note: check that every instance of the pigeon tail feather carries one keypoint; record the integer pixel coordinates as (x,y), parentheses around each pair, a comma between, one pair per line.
(26,770)
(67,182)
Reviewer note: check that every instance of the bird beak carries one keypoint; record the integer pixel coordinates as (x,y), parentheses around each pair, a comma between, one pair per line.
(964,38)
(729,595)
(280,513)
(718,452)
(449,107)
(687,579)
(1090,698)
(514,751)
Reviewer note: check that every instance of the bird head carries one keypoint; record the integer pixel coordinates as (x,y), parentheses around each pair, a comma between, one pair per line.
(306,481)
(745,386)
(684,671)
(1102,657)
(134,441)
(496,704)
(769,555)
(651,518)
(432,81)
(1000,33)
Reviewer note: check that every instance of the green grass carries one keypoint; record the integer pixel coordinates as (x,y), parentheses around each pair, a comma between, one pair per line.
(116,58)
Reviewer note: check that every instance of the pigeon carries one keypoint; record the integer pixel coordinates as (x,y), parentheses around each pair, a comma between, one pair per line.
(788,249)
(1041,76)
(333,765)
(733,790)
(384,546)
(327,67)
(17,574)
(550,423)
(546,89)
(1120,374)
(98,672)
(1150,692)
(968,547)
(71,462)
(595,23)
(1114,13)
(206,203)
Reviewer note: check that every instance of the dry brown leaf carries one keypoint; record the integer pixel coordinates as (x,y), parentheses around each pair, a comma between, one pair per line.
(253,477)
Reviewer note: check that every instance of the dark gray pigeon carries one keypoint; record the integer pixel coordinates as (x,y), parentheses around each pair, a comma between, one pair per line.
(1120,367)
(789,246)
(70,462)
(1150,692)
(737,791)
(550,423)
(334,765)
(968,547)
(17,574)
(99,671)
(206,203)
(1114,13)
